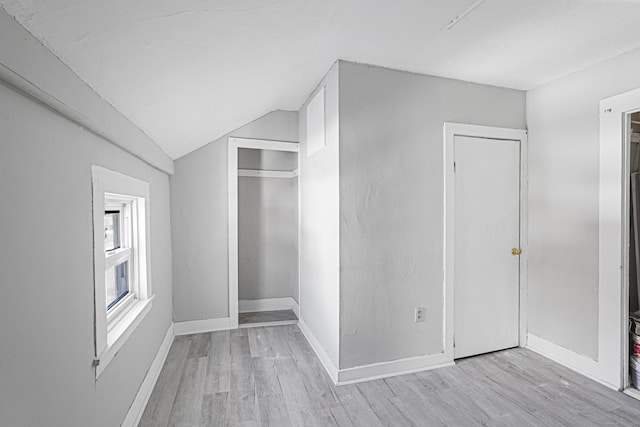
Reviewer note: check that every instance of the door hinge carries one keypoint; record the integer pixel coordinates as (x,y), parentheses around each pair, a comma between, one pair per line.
(516,251)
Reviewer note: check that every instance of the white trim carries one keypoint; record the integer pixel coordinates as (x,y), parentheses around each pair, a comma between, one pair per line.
(232,165)
(206,325)
(108,338)
(376,370)
(299,220)
(144,392)
(568,358)
(121,333)
(268,304)
(316,122)
(393,368)
(613,236)
(253,173)
(328,365)
(633,392)
(262,324)
(265,144)
(451,130)
(232,173)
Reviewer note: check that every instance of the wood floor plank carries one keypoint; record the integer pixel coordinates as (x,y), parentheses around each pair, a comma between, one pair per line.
(187,407)
(300,408)
(476,399)
(270,376)
(243,406)
(158,409)
(356,407)
(378,394)
(417,409)
(219,364)
(341,417)
(273,409)
(547,411)
(200,344)
(259,342)
(278,341)
(215,410)
(266,316)
(567,394)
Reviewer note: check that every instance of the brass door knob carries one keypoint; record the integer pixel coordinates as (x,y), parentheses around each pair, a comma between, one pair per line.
(516,251)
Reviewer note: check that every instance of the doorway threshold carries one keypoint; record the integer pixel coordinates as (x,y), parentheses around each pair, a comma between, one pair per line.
(267,318)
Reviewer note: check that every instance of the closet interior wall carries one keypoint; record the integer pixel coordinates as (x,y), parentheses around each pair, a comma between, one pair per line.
(634,304)
(267,226)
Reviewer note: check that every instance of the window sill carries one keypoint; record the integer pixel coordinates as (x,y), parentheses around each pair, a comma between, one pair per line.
(121,332)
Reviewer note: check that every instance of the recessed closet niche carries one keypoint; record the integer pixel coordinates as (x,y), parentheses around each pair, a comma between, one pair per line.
(267,236)
(634,251)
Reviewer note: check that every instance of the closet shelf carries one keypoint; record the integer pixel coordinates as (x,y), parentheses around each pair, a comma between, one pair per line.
(253,173)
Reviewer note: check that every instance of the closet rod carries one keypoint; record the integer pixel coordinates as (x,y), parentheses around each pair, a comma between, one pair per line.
(253,173)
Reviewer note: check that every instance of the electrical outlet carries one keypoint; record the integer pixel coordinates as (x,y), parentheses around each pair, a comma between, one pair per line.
(419,314)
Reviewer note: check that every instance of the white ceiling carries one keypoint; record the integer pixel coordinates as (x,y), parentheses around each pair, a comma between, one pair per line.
(188,71)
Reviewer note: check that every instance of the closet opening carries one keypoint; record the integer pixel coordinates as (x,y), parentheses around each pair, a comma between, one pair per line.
(264,232)
(632,137)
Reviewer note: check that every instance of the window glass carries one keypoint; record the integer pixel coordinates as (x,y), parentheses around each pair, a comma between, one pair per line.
(111,230)
(117,283)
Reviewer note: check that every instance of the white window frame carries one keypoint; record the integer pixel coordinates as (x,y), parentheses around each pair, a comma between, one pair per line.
(115,191)
(127,207)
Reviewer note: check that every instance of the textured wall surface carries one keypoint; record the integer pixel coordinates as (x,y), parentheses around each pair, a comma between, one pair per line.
(564,138)
(47,307)
(391,203)
(199,220)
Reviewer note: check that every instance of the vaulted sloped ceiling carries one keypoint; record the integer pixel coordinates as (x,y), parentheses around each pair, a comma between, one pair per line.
(188,71)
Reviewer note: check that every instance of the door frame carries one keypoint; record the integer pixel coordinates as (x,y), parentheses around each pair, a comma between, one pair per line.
(232,165)
(451,130)
(613,237)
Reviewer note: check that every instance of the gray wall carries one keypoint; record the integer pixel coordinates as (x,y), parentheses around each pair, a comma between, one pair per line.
(46,260)
(391,203)
(267,238)
(563,120)
(199,220)
(320,229)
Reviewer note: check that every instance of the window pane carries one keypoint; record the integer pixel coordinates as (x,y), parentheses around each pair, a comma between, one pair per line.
(111,230)
(117,281)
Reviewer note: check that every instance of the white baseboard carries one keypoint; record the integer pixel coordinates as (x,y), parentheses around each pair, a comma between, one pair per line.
(581,364)
(376,370)
(207,325)
(144,392)
(630,391)
(268,304)
(331,369)
(392,368)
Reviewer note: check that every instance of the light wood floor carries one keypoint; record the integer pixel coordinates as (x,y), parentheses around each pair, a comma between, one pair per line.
(270,376)
(267,316)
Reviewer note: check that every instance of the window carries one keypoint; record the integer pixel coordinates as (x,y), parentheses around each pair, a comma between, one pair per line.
(122,284)
(120,276)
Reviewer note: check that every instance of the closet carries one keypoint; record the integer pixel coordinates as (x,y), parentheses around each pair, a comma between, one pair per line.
(634,251)
(267,237)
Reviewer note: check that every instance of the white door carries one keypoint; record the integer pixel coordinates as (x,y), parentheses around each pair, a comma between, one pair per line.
(486,229)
